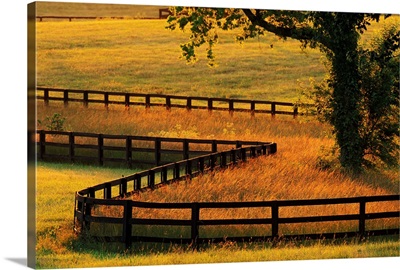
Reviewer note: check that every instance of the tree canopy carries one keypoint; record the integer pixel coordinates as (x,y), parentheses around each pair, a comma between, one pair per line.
(354,76)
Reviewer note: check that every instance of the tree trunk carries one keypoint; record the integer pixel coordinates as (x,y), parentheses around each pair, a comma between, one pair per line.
(346,117)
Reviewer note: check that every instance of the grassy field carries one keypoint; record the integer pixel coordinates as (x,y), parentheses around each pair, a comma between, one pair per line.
(291,174)
(98,10)
(142,56)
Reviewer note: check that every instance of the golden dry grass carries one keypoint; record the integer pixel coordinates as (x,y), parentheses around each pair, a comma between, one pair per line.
(290,174)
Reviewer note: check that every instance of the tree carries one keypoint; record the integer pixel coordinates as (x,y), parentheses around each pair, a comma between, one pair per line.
(335,34)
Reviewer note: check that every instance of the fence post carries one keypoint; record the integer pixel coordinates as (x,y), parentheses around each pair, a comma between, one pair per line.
(65,98)
(151,179)
(147,101)
(168,102)
(233,156)
(82,207)
(157,151)
(88,209)
(91,193)
(100,142)
(85,99)
(273,109)
(223,160)
(128,151)
(185,149)
(210,105)
(127,101)
(189,168)
(212,162)
(253,107)
(253,151)
(243,154)
(71,146)
(106,100)
(107,191)
(137,182)
(239,144)
(127,224)
(46,96)
(295,111)
(214,146)
(273,148)
(275,217)
(177,172)
(189,103)
(201,164)
(231,108)
(42,139)
(195,225)
(361,222)
(123,187)
(264,150)
(164,175)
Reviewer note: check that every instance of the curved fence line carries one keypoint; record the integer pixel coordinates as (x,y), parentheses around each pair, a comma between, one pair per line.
(87,199)
(128,149)
(111,194)
(168,101)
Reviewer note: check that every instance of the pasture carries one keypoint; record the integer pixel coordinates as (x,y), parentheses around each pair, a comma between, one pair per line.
(291,173)
(142,56)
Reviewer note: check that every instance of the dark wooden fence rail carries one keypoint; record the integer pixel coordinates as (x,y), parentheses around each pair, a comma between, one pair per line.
(127,147)
(163,13)
(168,101)
(40,18)
(86,200)
(104,195)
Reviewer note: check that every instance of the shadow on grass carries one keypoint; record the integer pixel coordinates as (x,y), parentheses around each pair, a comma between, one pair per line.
(102,249)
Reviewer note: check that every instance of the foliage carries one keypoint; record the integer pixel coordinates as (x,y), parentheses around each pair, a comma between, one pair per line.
(379,70)
(378,105)
(335,34)
(53,123)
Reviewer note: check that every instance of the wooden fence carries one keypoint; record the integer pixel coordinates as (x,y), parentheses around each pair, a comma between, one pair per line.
(163,13)
(85,204)
(102,195)
(127,149)
(112,193)
(70,18)
(168,101)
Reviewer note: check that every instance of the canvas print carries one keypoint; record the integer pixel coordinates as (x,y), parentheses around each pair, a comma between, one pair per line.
(164,135)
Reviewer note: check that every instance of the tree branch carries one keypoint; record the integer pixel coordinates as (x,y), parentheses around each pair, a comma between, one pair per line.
(302,33)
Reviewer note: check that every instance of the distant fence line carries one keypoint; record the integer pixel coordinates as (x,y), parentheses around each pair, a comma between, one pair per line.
(168,101)
(70,18)
(128,149)
(163,13)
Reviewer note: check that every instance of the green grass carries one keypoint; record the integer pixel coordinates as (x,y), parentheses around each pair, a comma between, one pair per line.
(59,247)
(299,144)
(226,253)
(98,10)
(142,56)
